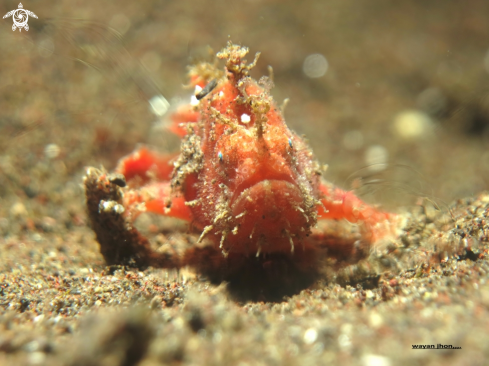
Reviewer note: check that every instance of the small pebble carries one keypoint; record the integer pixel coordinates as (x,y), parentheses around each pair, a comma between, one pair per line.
(375,360)
(159,105)
(412,124)
(18,210)
(37,358)
(376,157)
(315,66)
(375,320)
(310,336)
(52,151)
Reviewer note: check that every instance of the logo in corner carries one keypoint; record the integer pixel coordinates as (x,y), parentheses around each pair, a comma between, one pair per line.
(20,17)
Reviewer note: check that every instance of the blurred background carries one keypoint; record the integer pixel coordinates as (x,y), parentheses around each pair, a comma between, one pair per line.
(394,92)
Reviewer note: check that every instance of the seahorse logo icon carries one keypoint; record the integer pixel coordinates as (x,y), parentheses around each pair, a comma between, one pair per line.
(20,17)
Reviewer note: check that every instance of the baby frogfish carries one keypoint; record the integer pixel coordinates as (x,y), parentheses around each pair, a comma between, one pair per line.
(249,186)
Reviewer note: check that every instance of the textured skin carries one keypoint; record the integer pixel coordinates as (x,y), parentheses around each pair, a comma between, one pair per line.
(257,189)
(247,183)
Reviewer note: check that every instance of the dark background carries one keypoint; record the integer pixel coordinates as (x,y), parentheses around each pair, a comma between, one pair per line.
(72,81)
